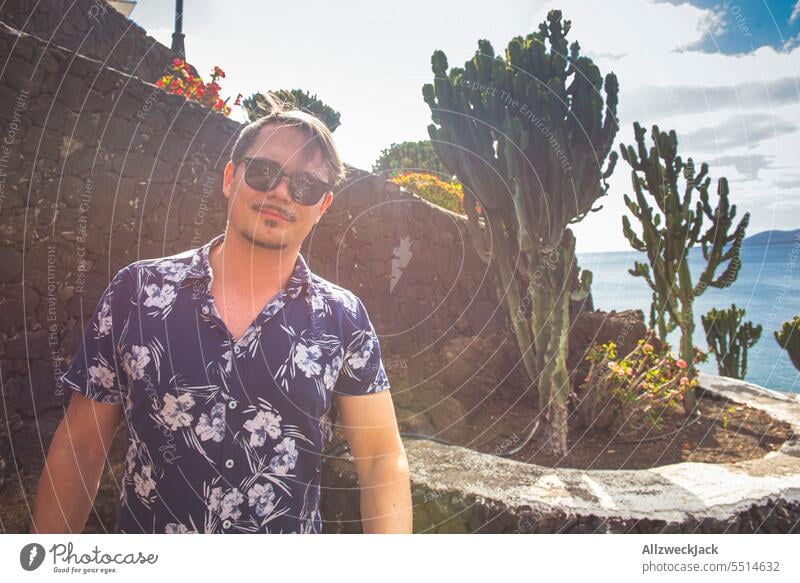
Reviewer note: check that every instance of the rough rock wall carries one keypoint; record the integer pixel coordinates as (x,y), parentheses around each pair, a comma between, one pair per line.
(99,170)
(94,29)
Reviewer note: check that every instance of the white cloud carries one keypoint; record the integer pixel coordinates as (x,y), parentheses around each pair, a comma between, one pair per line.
(795,13)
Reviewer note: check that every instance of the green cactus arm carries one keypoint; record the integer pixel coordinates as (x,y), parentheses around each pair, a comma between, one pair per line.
(788,338)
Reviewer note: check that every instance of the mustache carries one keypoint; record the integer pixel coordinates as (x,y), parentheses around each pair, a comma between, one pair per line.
(275,209)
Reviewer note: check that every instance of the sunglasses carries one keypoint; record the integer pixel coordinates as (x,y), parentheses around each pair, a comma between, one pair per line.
(263,174)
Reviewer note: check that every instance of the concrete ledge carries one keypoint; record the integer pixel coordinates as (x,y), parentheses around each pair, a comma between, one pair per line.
(461,481)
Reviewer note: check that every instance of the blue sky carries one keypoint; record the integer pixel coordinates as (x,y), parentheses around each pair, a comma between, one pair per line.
(724,75)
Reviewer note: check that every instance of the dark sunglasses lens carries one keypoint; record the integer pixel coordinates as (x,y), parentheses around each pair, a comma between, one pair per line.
(307,190)
(262,175)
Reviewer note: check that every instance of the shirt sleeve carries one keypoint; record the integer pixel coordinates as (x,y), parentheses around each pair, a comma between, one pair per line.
(96,372)
(362,370)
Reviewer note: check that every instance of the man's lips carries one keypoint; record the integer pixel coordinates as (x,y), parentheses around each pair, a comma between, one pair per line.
(273,214)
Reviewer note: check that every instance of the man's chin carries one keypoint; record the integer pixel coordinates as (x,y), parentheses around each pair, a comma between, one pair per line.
(271,240)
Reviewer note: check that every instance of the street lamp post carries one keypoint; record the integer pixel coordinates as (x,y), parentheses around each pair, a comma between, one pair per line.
(177,36)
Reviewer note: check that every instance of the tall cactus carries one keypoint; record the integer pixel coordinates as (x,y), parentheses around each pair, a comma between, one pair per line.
(527,137)
(672,228)
(729,339)
(789,339)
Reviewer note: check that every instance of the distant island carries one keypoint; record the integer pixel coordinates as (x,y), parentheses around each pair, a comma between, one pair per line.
(773,237)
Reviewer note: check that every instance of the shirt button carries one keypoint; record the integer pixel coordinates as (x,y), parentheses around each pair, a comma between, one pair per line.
(236,349)
(226,524)
(204,309)
(232,404)
(229,463)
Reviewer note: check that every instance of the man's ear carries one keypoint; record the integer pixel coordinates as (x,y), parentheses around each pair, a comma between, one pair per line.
(326,202)
(227,179)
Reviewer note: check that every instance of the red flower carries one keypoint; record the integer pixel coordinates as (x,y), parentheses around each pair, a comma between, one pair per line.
(192,87)
(681,363)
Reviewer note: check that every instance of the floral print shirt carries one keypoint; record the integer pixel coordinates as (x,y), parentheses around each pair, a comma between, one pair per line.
(224,435)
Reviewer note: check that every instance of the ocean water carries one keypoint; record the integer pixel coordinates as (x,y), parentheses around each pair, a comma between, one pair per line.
(768,287)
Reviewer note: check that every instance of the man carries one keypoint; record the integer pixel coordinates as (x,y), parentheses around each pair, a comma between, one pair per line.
(226,361)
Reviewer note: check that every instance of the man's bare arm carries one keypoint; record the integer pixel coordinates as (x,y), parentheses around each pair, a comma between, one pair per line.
(74,466)
(370,427)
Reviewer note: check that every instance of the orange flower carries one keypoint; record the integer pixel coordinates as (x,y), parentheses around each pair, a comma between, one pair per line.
(681,363)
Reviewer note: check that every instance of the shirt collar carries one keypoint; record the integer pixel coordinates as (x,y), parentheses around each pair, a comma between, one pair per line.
(200,268)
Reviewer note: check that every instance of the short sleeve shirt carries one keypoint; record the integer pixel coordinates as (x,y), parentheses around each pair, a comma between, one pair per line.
(224,435)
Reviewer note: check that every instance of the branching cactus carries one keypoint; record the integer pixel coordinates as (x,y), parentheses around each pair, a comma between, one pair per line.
(789,339)
(672,221)
(528,136)
(729,339)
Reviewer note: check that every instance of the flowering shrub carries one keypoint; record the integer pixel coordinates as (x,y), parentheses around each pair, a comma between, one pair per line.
(633,393)
(182,82)
(433,189)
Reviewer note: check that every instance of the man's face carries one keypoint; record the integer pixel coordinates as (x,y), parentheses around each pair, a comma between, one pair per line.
(249,211)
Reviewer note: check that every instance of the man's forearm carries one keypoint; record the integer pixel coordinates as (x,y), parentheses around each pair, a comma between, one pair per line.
(66,490)
(386,496)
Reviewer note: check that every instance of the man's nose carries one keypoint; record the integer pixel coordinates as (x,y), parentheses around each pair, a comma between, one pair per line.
(281,190)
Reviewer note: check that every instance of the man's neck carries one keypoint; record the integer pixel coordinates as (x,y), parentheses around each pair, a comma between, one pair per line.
(242,267)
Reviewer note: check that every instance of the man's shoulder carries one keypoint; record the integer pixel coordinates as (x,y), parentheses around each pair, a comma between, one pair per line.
(337,296)
(164,265)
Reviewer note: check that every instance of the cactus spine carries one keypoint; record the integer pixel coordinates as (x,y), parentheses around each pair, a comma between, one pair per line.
(527,137)
(729,339)
(671,228)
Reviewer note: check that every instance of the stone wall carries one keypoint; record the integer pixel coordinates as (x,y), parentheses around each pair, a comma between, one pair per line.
(99,170)
(458,490)
(94,29)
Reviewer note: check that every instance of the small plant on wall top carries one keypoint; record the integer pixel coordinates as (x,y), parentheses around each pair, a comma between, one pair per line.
(447,195)
(257,106)
(182,82)
(409,157)
(632,393)
(729,339)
